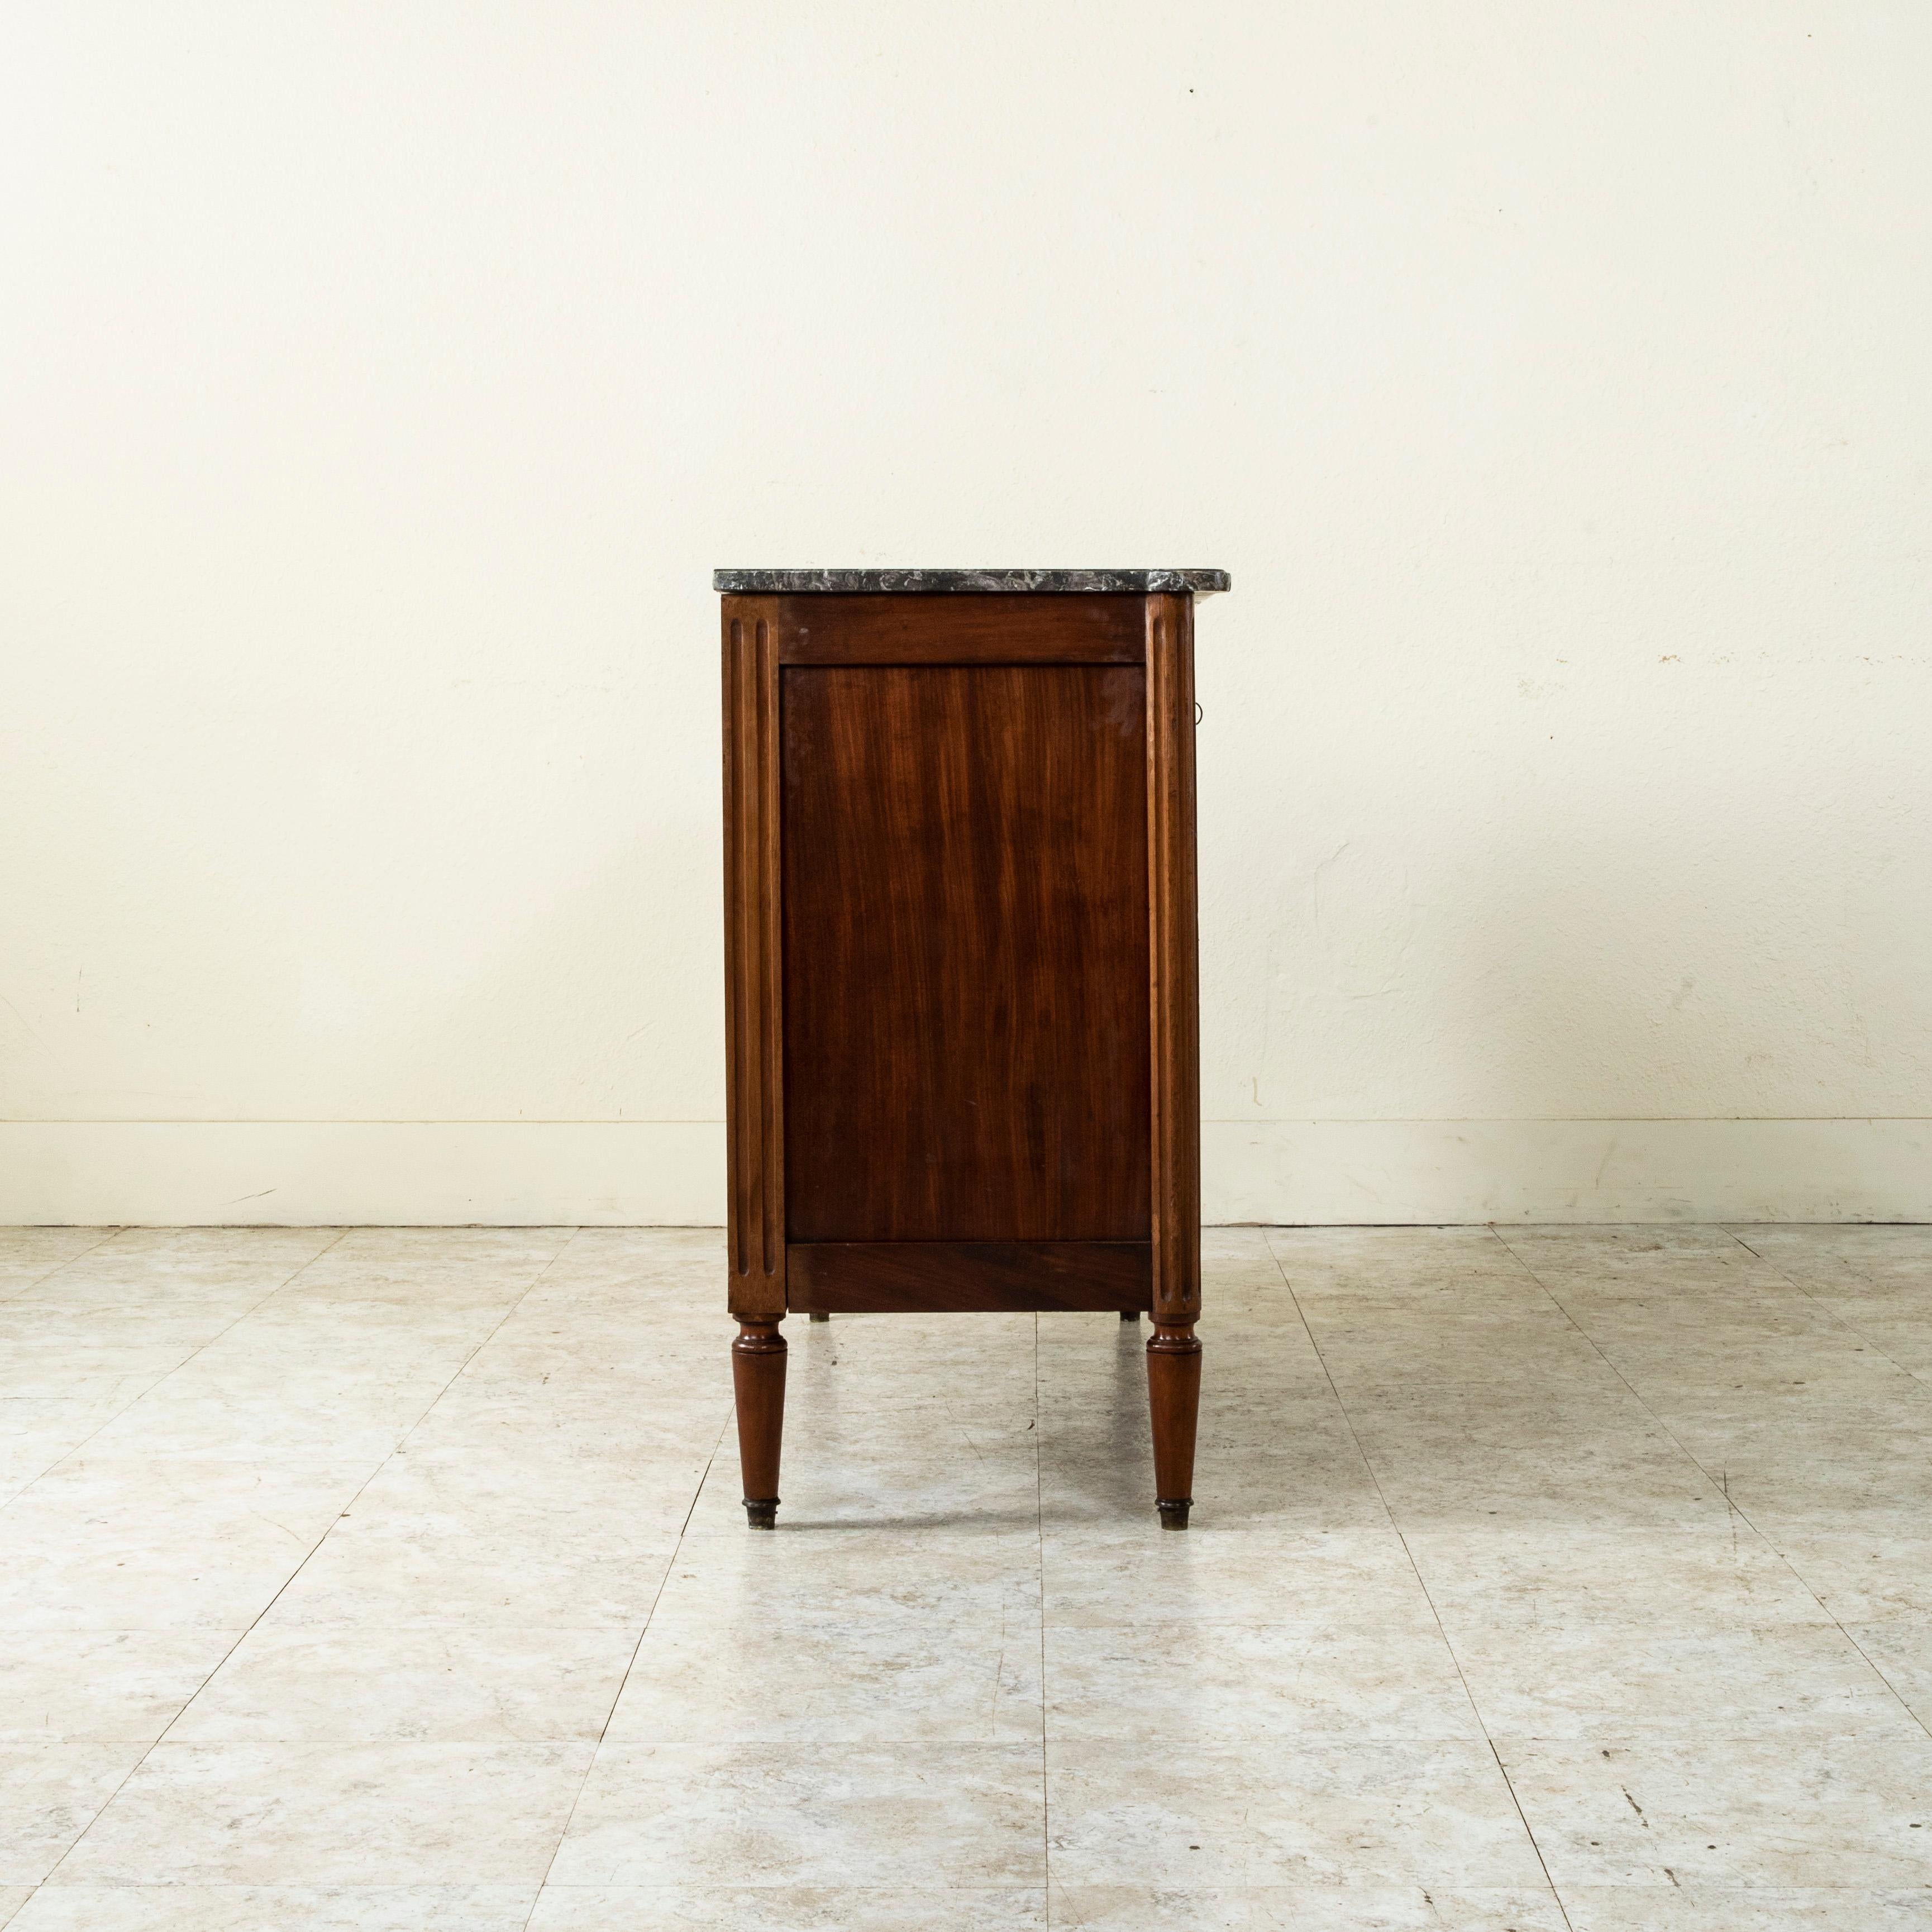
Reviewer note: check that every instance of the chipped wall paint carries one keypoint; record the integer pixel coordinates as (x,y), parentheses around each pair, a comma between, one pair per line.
(1551,380)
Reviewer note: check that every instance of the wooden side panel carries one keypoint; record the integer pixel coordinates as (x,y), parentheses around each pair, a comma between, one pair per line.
(885,1277)
(1014,628)
(1173,976)
(966,942)
(753,1001)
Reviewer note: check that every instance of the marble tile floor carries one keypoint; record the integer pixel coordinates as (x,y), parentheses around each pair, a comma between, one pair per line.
(1540,1578)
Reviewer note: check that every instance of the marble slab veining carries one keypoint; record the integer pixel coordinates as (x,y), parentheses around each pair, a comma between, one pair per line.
(1134,583)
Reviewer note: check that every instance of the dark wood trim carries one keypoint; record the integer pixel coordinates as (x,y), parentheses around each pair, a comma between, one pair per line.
(753,1004)
(823,629)
(758,1384)
(887,1277)
(1173,971)
(1173,1404)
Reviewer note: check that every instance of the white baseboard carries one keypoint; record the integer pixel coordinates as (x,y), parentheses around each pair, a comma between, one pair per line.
(647,1173)
(333,1174)
(1319,1172)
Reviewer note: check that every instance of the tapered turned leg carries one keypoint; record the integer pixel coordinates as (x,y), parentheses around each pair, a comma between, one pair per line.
(1173,1399)
(758,1379)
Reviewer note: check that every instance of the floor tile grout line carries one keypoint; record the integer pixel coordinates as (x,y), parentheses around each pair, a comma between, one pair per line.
(1720,1484)
(107,1422)
(1852,1329)
(1422,1583)
(636,1651)
(242,1637)
(66,1261)
(1830,1313)
(1588,1303)
(140,1394)
(149,1750)
(1772,1545)
(200,1347)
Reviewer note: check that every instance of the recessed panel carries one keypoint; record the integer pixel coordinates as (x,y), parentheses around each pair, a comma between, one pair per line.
(966,952)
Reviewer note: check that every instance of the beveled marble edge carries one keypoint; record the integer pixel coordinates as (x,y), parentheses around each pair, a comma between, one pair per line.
(1139,583)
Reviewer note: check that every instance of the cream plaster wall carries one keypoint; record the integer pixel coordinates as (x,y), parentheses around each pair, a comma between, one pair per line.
(382,383)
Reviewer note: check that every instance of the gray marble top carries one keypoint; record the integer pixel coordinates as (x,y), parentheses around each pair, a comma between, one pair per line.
(1138,583)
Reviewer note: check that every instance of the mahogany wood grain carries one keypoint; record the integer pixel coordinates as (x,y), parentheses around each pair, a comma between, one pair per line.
(965,895)
(1012,628)
(754,1004)
(885,1277)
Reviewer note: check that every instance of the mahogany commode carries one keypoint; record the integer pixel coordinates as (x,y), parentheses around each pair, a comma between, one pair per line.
(962,1034)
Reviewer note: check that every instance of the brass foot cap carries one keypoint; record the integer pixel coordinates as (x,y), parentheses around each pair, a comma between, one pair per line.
(1173,1515)
(762,1515)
